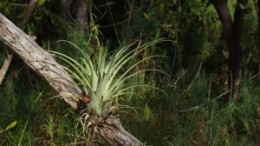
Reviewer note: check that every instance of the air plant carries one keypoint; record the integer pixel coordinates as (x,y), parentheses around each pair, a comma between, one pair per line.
(104,79)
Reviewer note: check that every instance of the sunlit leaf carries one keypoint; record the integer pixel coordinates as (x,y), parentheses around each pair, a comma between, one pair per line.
(147,113)
(11,125)
(40,2)
(146,15)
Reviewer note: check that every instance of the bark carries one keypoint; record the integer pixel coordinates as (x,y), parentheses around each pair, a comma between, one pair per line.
(225,17)
(44,64)
(64,9)
(81,14)
(114,134)
(232,33)
(235,52)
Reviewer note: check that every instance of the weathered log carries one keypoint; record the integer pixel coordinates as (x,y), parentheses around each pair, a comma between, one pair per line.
(44,64)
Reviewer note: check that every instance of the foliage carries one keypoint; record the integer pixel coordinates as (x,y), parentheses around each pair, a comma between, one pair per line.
(196,108)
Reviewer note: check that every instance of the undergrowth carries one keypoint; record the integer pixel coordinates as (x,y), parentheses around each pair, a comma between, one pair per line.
(192,106)
(197,117)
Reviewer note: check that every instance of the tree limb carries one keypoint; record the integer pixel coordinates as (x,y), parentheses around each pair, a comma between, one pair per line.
(225,17)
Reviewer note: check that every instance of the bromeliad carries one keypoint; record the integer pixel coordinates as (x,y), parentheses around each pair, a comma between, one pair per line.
(104,78)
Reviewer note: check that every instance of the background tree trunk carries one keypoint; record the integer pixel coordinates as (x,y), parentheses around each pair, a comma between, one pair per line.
(44,64)
(232,32)
(81,14)
(235,52)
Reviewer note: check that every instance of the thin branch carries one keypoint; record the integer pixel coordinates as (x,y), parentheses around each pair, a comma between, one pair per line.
(194,79)
(206,103)
(5,67)
(115,30)
(255,76)
(115,24)
(28,14)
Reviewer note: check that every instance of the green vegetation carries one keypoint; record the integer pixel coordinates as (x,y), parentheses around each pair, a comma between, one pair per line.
(168,80)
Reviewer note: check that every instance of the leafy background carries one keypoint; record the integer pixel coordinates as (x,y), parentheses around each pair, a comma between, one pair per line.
(191,110)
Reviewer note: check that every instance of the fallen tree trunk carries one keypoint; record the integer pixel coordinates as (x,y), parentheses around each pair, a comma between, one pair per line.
(44,64)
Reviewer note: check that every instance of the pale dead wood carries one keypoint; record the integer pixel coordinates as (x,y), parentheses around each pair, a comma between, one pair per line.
(5,67)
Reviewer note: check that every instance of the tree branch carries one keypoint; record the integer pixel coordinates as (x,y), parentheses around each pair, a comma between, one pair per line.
(28,14)
(225,17)
(5,67)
